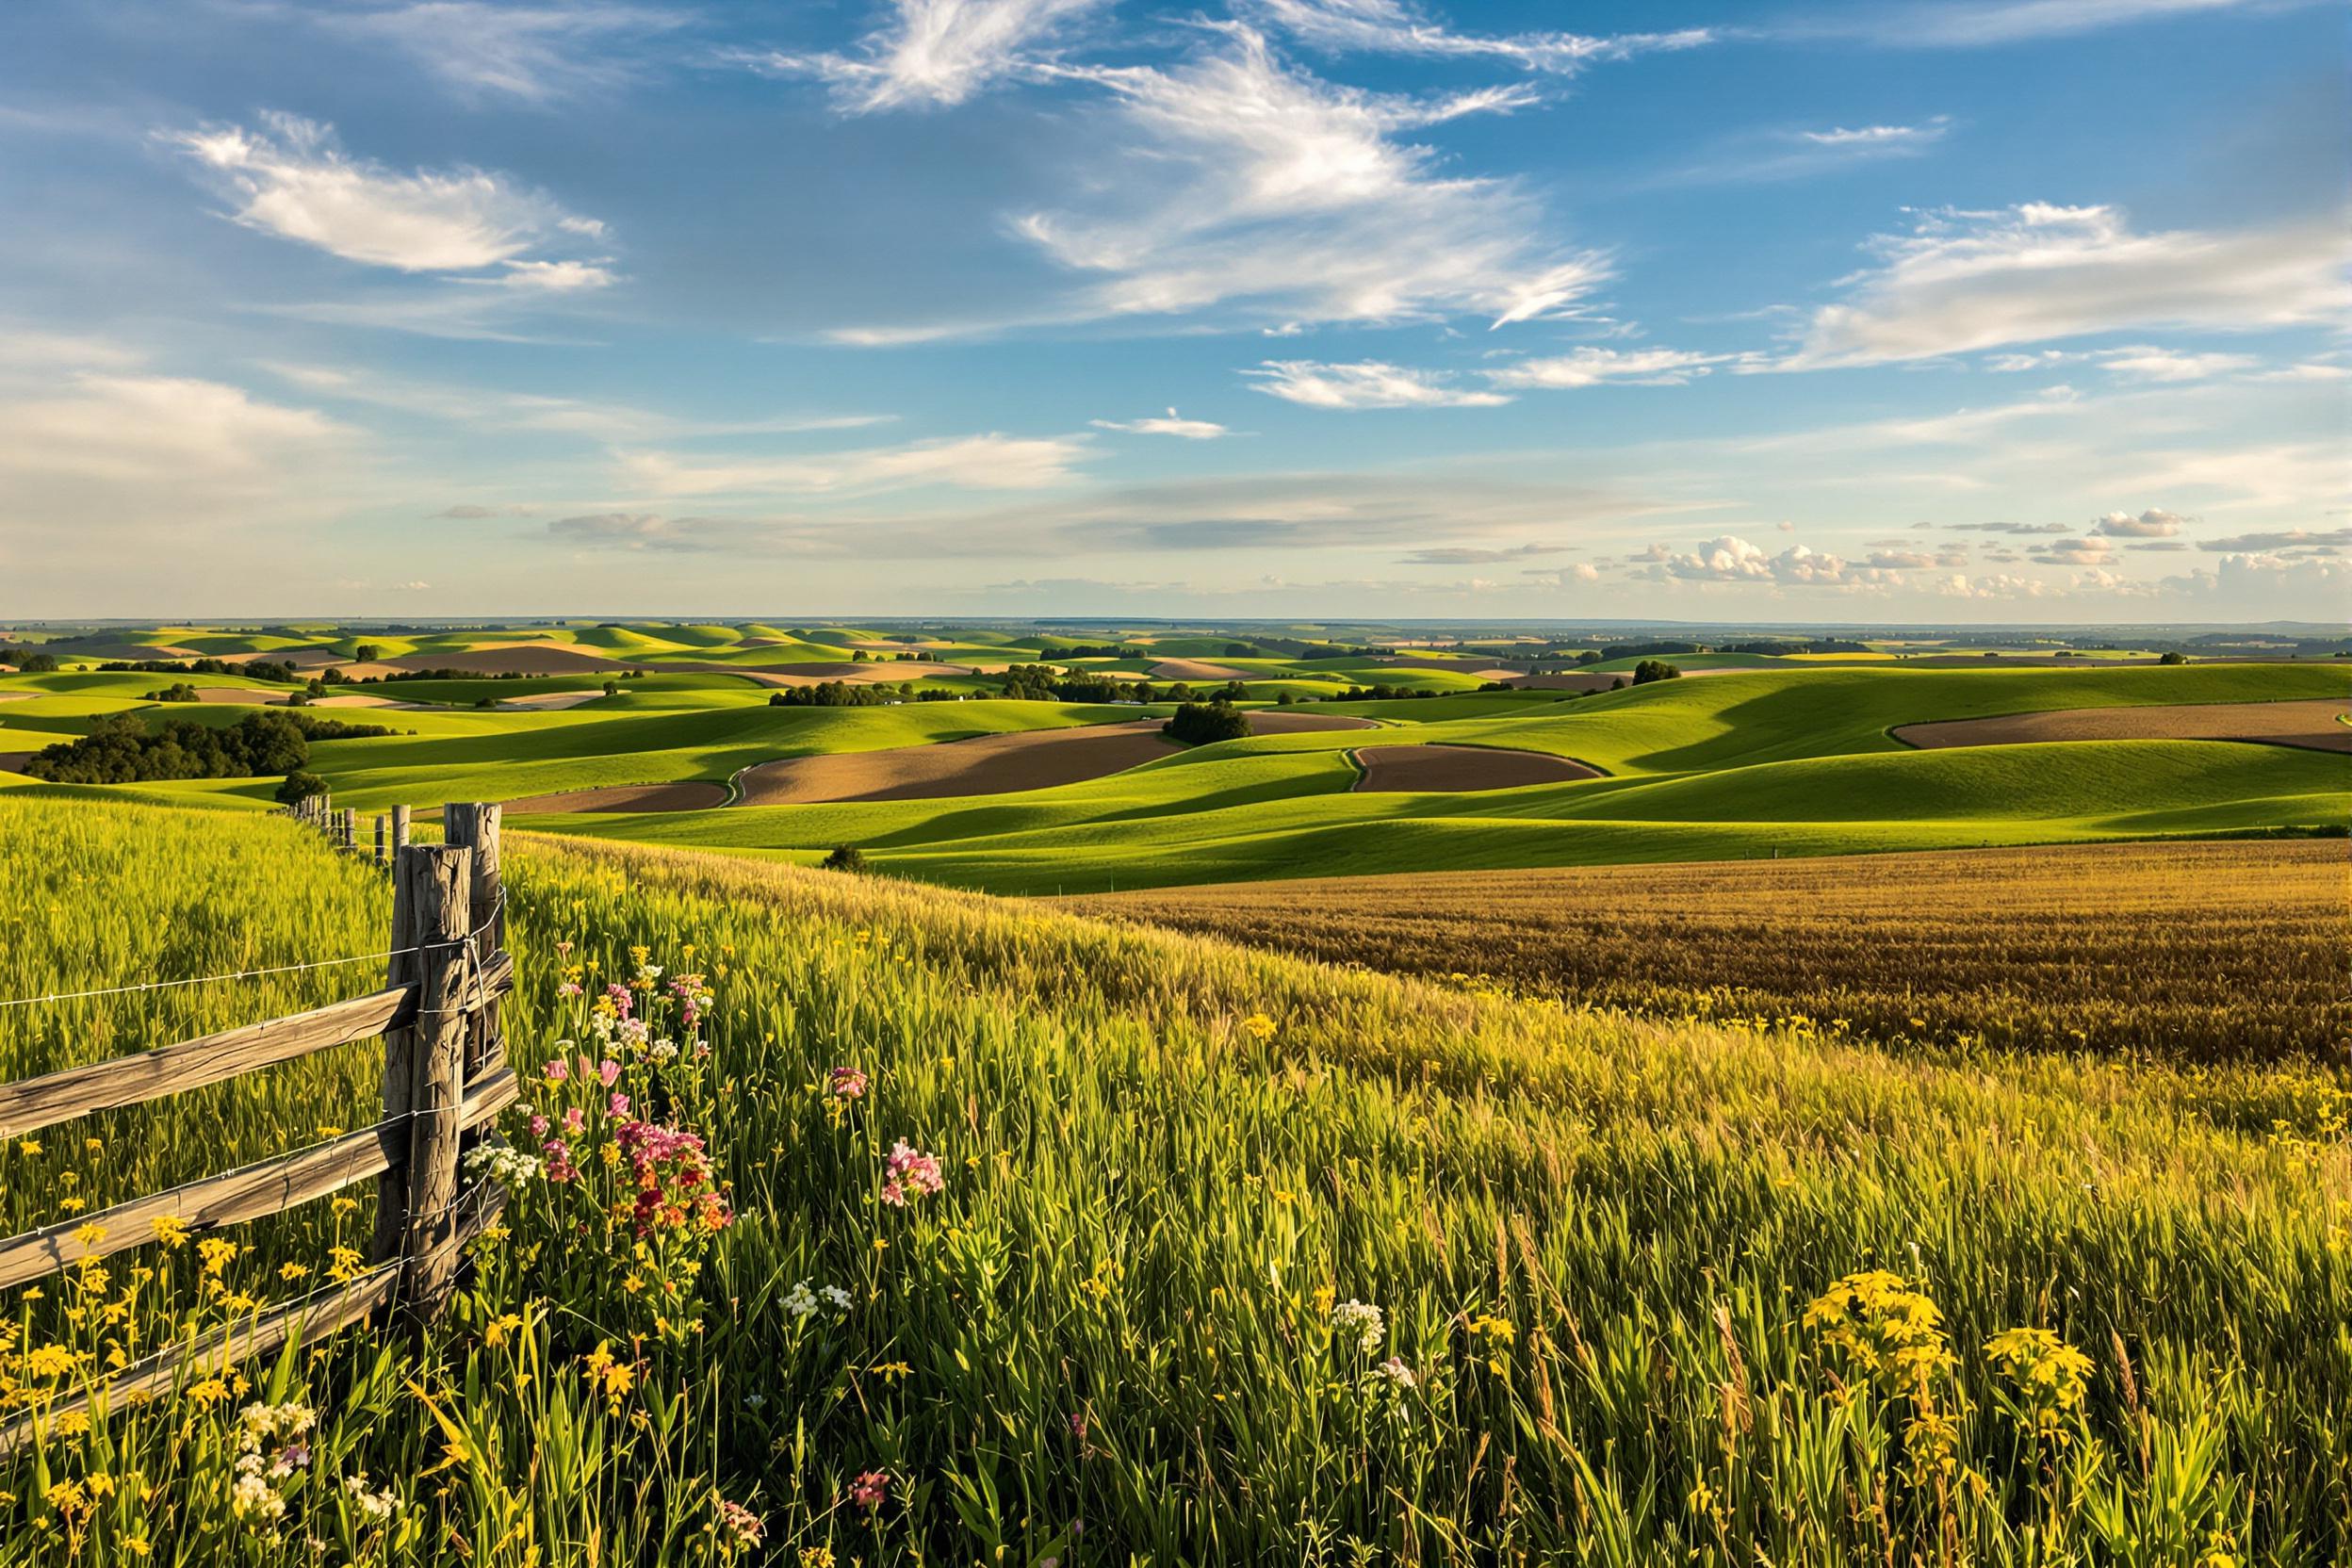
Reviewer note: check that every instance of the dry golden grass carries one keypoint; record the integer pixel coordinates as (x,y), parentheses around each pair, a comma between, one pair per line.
(2221,951)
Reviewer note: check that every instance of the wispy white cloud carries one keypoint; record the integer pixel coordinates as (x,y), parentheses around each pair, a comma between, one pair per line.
(1368,384)
(535,53)
(460,403)
(1479,555)
(1962,281)
(2091,550)
(2279,540)
(1785,153)
(2143,363)
(934,53)
(1969,24)
(989,462)
(1876,135)
(2154,523)
(1233,180)
(1728,558)
(291,179)
(1190,430)
(1394,27)
(1595,367)
(2170,365)
(108,461)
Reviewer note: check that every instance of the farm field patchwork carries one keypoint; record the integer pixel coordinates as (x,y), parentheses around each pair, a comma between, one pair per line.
(1036,795)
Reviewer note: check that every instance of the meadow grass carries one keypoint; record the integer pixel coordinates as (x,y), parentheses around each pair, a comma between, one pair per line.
(1128,1326)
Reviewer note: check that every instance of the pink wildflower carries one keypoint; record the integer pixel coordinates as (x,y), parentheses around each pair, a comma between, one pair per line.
(872,1489)
(737,1526)
(617,1107)
(911,1170)
(558,1070)
(847,1083)
(609,1071)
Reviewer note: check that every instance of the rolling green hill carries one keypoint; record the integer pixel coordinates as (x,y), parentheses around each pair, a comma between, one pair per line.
(1786,759)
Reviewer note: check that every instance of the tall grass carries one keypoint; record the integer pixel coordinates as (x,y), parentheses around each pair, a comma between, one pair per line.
(1122,1329)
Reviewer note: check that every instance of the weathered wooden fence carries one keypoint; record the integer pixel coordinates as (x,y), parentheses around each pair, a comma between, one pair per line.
(445,1081)
(342,827)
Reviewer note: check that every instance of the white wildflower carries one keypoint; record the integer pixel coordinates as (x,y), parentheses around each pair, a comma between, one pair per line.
(1361,1319)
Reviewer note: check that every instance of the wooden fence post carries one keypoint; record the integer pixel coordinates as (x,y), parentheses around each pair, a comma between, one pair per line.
(381,826)
(400,1056)
(437,880)
(474,826)
(400,828)
(351,829)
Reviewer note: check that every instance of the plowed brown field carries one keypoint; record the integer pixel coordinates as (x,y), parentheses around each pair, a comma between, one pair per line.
(1396,769)
(2313,724)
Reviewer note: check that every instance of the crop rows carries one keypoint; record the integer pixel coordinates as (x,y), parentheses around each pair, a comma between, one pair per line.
(2207,952)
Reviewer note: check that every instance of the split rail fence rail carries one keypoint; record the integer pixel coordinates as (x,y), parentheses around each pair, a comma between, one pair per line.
(445,1079)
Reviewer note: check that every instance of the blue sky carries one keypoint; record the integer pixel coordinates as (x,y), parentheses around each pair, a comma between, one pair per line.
(2015,310)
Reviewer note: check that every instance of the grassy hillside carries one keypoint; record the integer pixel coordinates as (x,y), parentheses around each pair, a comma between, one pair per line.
(1792,762)
(1127,1325)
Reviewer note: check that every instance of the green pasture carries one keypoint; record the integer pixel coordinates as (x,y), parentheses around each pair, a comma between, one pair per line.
(1789,759)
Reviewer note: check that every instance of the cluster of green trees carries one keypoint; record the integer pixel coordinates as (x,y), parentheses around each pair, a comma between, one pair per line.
(121,749)
(1198,724)
(857,694)
(260,669)
(1047,683)
(837,693)
(1819,644)
(1652,669)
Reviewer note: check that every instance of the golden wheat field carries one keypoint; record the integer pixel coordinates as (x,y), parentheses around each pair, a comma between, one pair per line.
(2201,951)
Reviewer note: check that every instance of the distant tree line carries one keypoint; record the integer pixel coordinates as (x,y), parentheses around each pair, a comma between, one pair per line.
(260,669)
(857,694)
(121,749)
(1047,683)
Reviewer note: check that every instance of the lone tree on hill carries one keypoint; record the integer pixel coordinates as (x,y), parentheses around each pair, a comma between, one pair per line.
(1198,724)
(847,858)
(298,786)
(1652,669)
